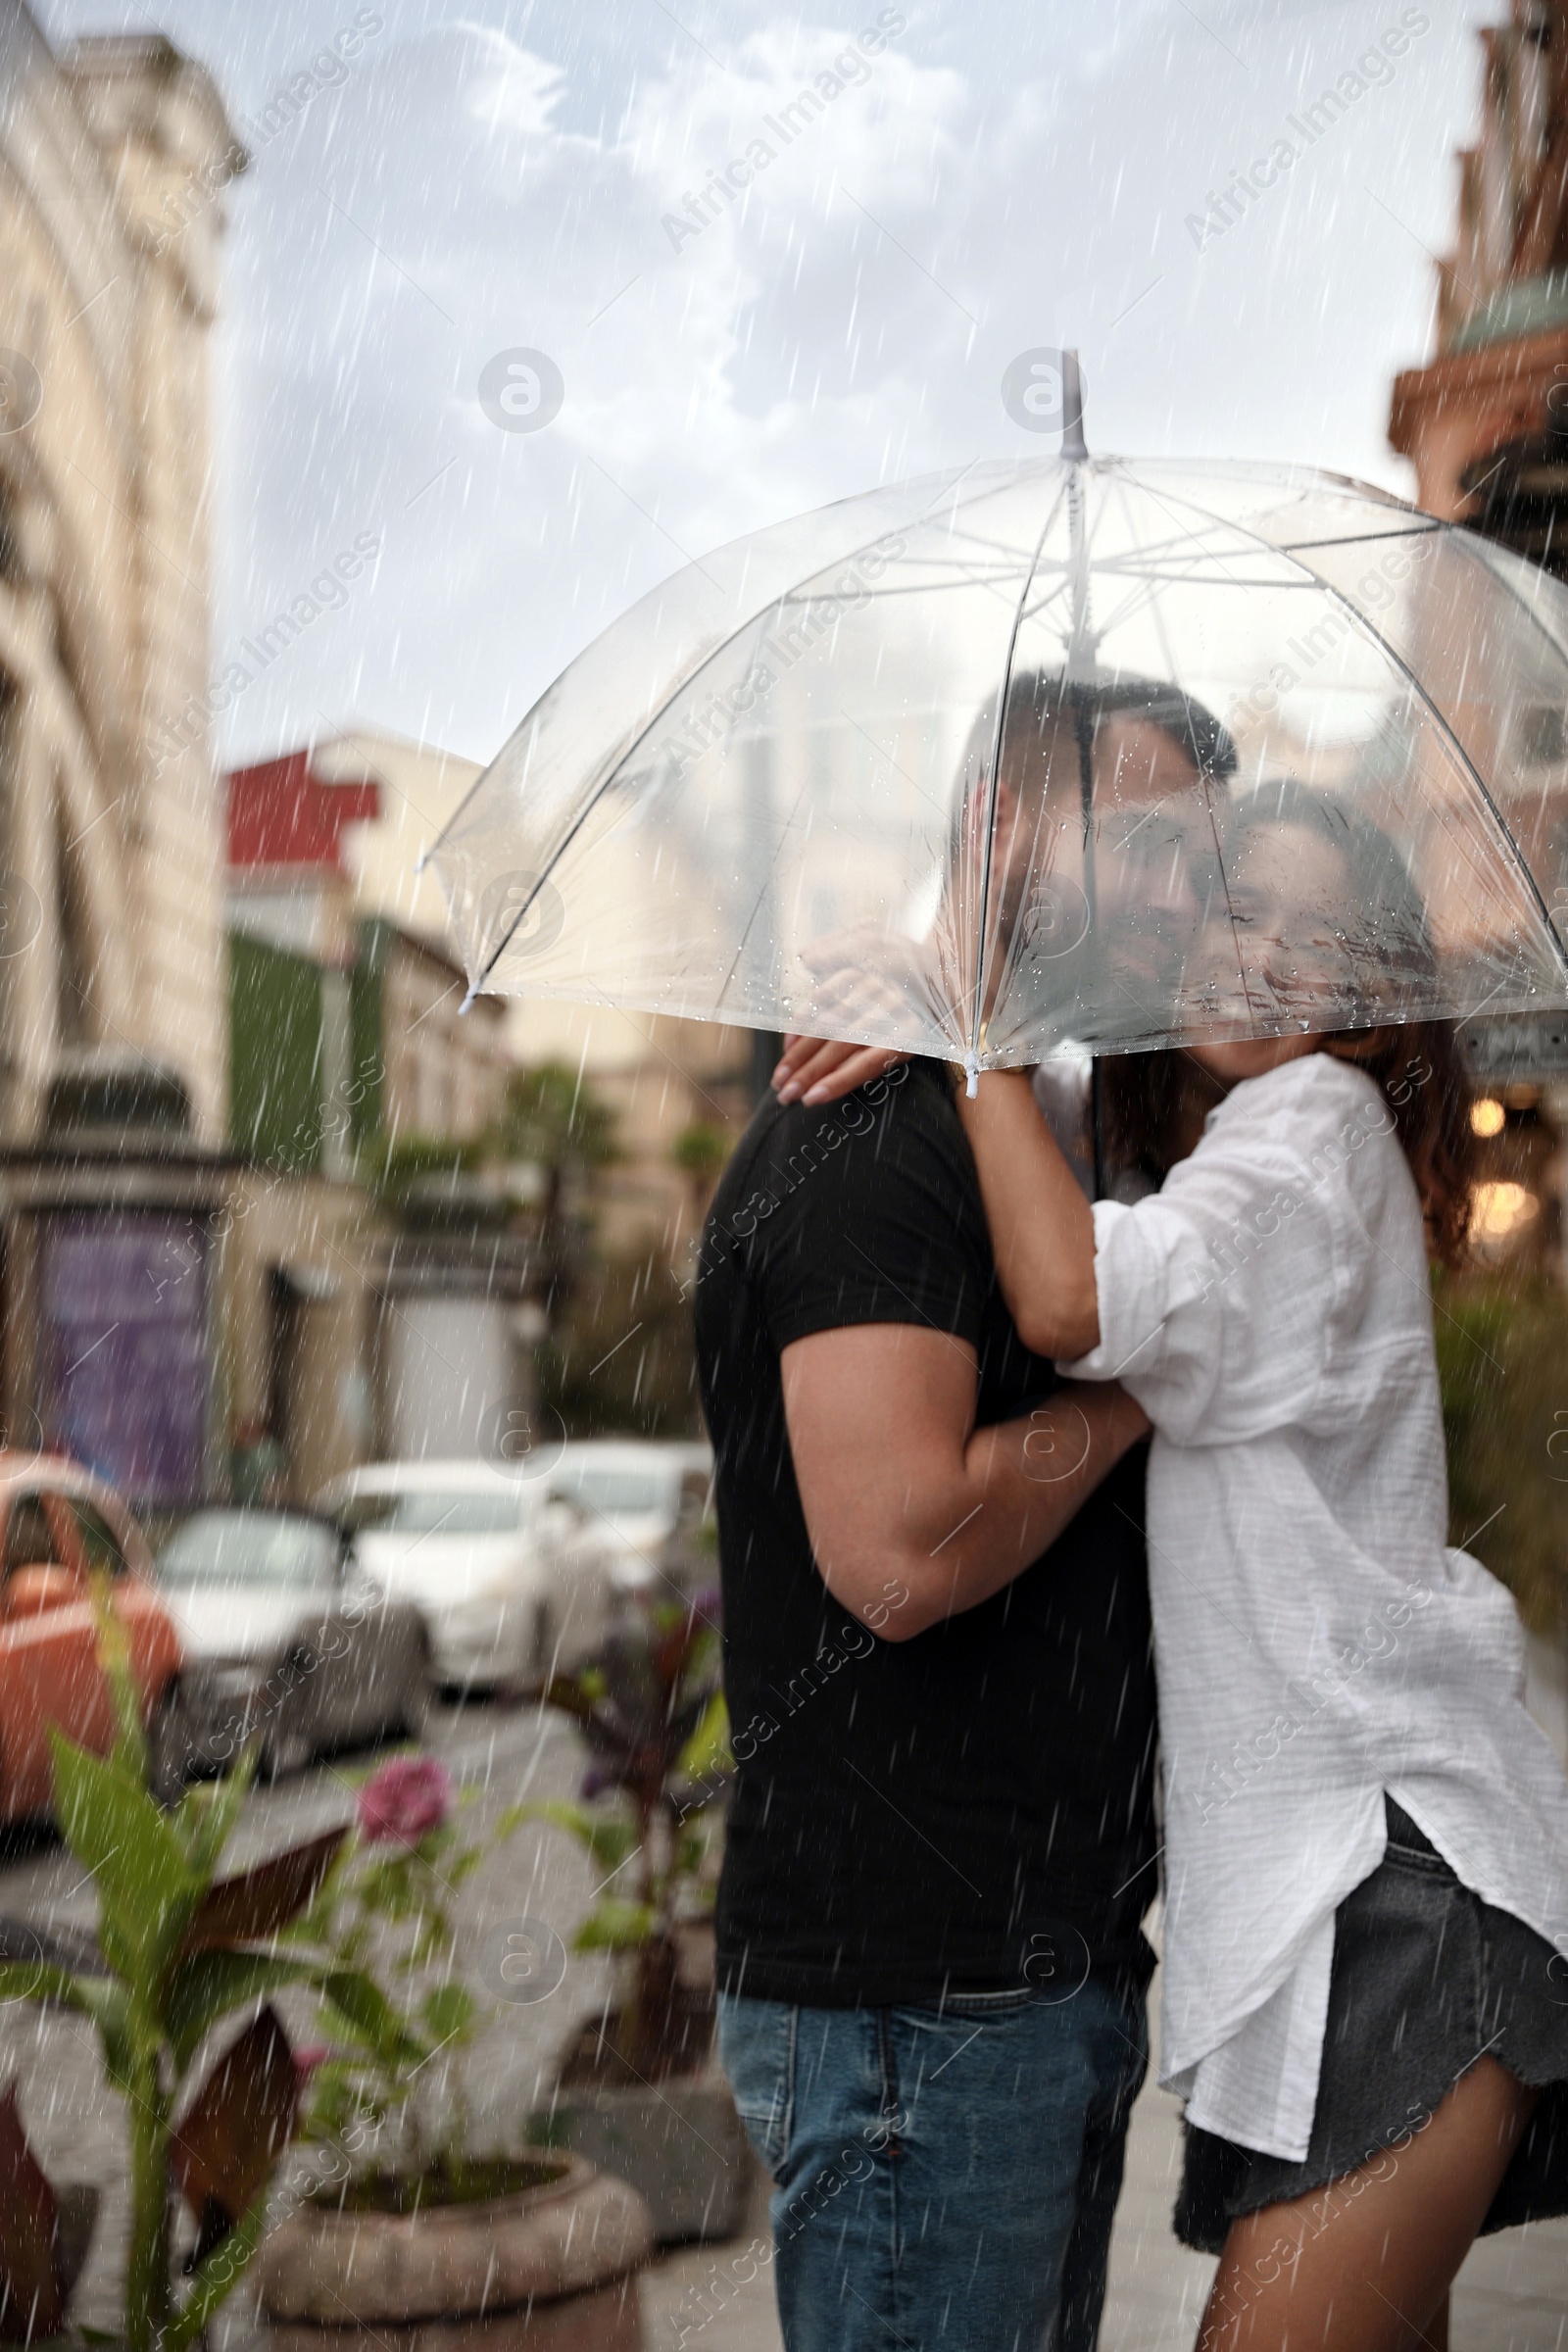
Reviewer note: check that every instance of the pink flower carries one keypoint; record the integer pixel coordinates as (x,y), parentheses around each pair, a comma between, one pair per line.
(409,1795)
(308,2058)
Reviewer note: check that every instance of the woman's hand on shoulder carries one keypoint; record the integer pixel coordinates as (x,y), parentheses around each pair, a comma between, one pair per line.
(863,978)
(819,1069)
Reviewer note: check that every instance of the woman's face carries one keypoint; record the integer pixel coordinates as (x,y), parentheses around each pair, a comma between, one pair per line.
(1290,897)
(1238,1058)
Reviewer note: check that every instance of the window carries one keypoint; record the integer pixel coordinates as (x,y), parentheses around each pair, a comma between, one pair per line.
(29,1538)
(73,958)
(256,1549)
(433,1514)
(696,1493)
(632,1492)
(99,1541)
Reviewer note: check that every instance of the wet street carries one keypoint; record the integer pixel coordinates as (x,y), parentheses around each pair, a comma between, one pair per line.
(1512,2295)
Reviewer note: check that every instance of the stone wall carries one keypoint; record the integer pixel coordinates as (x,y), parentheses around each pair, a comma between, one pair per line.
(112,167)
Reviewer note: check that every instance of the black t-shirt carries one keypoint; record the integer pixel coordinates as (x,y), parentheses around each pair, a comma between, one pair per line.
(970,1809)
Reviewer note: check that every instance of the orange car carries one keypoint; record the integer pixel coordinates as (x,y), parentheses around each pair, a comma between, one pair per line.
(56,1524)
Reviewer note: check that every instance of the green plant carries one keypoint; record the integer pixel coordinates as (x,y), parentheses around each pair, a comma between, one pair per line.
(383,1909)
(182,1950)
(409,1159)
(701,1151)
(621,1352)
(554,1119)
(1502,1354)
(652,1714)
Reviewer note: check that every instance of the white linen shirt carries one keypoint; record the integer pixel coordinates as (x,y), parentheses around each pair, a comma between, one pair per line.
(1317,1641)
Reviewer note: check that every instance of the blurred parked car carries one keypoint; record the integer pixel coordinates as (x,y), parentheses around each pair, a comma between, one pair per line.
(511,1581)
(650,1498)
(58,1524)
(287,1640)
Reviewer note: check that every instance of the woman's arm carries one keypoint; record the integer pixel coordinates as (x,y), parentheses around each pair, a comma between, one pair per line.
(1042,1228)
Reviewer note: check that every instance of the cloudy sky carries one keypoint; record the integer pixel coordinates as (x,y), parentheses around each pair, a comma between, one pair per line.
(1003,175)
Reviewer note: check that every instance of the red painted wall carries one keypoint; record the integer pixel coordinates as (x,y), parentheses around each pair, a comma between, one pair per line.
(279,814)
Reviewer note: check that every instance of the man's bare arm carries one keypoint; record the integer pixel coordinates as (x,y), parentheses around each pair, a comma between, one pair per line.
(914,1514)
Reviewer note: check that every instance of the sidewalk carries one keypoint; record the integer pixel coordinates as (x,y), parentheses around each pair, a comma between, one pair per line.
(1511,2296)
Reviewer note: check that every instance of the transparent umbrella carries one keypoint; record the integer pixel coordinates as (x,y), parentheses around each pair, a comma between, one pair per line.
(1092,750)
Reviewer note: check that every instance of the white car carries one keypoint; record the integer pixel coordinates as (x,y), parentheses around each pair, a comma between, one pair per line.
(286,1641)
(640,1493)
(512,1581)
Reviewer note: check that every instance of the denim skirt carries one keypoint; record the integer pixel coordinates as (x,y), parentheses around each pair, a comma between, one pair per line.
(1427,1979)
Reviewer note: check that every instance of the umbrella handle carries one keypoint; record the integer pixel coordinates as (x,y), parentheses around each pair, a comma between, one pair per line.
(1073,446)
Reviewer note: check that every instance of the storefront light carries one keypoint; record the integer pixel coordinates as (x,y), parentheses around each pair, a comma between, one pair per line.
(1487,1116)
(1502,1210)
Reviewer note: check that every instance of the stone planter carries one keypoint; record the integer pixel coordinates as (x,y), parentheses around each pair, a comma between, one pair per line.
(550,2267)
(677,2141)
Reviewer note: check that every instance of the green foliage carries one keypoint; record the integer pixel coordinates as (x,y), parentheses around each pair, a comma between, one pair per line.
(1502,1352)
(701,1150)
(275,1028)
(607,1837)
(147,1889)
(653,1715)
(616,1925)
(621,1354)
(707,1754)
(183,1952)
(392,2002)
(412,1158)
(553,1118)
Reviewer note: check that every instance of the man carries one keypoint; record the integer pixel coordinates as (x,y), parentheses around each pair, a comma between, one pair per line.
(937,1660)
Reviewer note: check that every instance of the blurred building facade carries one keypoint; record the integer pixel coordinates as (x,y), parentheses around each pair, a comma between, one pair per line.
(1484,425)
(363,1315)
(113,1029)
(671,1084)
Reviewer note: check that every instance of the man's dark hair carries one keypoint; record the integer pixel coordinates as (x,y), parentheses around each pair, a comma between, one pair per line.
(1041,709)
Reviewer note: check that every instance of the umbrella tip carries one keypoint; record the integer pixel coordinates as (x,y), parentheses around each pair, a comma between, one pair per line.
(467,1000)
(421,862)
(1073,445)
(971,1075)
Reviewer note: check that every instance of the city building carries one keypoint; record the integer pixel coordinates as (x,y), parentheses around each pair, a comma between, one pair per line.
(1484,425)
(673,1086)
(362,1315)
(113,1033)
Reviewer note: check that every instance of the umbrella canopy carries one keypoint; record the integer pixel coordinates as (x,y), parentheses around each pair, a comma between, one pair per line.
(1105,751)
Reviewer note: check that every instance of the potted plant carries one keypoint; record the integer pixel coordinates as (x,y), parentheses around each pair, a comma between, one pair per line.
(406,2226)
(638,2090)
(178,1951)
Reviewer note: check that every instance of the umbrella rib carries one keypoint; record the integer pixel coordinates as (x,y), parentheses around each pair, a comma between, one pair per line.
(604,782)
(778,852)
(1294,547)
(1453,740)
(1427,703)
(948,487)
(978,1013)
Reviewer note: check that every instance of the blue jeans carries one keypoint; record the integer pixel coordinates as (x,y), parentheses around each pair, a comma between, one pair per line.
(945,2177)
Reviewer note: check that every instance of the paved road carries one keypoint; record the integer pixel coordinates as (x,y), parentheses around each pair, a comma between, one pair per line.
(1512,2296)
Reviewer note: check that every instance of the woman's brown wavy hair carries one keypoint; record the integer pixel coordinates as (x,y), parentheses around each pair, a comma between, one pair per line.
(1153,1103)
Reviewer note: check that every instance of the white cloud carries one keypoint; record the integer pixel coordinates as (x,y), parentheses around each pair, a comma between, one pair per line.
(1005,175)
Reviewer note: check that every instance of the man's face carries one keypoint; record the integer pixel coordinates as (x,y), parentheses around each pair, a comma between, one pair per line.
(1149,830)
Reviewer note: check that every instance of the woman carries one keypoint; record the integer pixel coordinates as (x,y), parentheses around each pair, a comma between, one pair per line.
(1366,1864)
